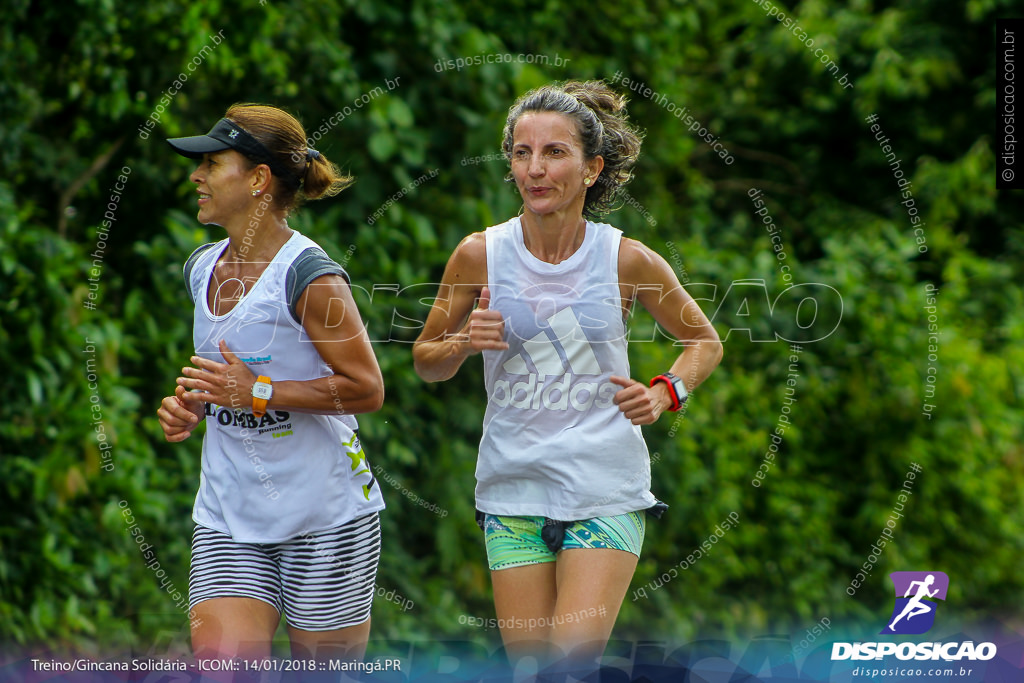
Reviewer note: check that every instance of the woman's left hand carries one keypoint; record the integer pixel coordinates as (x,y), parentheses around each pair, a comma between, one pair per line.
(225,384)
(641,404)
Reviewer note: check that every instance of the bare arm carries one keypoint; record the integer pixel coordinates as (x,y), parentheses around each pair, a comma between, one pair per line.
(454,330)
(331,319)
(657,288)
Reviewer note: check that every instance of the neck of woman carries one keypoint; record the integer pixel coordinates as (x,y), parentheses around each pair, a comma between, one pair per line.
(553,237)
(257,237)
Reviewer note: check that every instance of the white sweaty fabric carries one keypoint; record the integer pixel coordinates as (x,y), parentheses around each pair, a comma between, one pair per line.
(270,479)
(554,443)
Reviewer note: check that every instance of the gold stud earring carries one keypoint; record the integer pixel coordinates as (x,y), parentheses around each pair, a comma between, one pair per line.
(586,181)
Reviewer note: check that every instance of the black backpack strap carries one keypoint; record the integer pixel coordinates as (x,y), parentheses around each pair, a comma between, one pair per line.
(190,263)
(308,266)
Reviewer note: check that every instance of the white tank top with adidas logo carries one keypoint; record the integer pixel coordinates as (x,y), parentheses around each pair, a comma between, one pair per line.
(554,443)
(270,479)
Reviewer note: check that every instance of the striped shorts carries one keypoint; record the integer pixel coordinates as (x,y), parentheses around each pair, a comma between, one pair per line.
(320,581)
(517,541)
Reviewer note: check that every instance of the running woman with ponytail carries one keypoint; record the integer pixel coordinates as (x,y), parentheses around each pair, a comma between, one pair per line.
(563,474)
(286,513)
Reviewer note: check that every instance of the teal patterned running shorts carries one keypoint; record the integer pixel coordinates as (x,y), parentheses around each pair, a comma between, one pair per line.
(516,541)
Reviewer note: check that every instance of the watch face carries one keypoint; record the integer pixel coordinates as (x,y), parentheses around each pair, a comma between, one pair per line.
(262,390)
(680,388)
(677,386)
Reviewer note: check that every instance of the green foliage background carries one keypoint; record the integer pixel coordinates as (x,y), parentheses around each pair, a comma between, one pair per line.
(73,95)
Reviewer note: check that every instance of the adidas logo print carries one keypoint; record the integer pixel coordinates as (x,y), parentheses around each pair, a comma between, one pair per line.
(576,358)
(544,354)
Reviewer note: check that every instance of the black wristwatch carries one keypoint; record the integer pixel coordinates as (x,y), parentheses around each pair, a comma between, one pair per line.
(676,389)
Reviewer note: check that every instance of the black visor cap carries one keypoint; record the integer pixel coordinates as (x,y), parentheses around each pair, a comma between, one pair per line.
(225,135)
(229,135)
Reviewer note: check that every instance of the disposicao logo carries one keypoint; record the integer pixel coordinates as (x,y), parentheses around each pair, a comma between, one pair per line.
(914,614)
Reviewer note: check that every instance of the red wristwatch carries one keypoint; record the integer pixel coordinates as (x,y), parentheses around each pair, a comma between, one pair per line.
(676,389)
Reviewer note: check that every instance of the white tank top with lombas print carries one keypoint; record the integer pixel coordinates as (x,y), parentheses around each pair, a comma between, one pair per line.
(554,443)
(270,479)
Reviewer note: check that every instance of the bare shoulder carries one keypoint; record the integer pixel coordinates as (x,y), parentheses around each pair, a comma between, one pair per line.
(638,262)
(323,290)
(472,248)
(468,262)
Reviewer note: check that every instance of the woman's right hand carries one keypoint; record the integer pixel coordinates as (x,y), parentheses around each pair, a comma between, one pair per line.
(485,328)
(179,415)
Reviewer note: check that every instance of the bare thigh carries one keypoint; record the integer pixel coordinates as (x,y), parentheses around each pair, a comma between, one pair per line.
(347,643)
(233,627)
(591,585)
(524,600)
